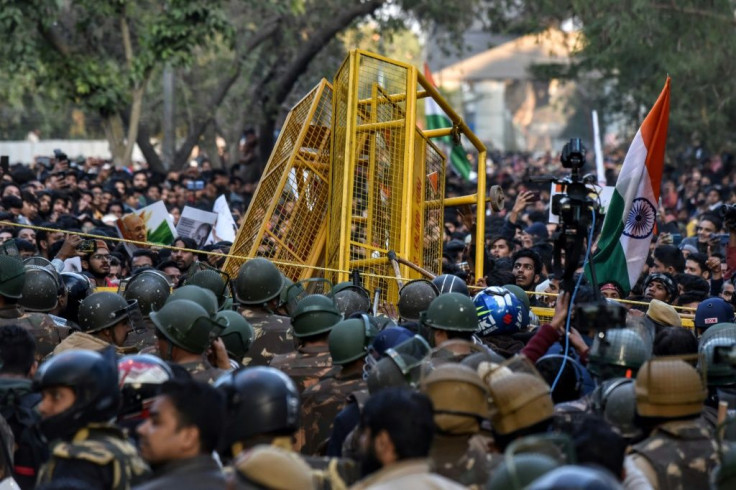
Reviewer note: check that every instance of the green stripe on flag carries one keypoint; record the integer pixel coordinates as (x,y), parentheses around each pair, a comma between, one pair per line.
(459,160)
(610,259)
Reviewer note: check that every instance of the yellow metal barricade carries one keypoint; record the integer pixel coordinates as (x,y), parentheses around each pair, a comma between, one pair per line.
(352,177)
(387,177)
(286,220)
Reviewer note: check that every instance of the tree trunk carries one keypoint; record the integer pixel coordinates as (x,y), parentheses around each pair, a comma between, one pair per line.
(115,134)
(134,122)
(149,152)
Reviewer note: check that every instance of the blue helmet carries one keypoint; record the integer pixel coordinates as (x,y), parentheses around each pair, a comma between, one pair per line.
(499,311)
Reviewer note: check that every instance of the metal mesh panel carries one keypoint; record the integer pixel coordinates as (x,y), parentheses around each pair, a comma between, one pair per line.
(434,214)
(286,220)
(386,170)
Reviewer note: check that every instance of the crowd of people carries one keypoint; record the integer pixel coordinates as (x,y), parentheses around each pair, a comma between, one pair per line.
(154,369)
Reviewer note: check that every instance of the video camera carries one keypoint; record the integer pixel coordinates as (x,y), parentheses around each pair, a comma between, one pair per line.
(575,208)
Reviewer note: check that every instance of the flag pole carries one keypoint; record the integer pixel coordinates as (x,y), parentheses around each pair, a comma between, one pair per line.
(598,148)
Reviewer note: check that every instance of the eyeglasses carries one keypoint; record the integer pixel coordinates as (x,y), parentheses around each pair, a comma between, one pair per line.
(102,257)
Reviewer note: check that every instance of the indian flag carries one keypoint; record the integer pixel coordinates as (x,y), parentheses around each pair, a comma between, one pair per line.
(437,119)
(627,229)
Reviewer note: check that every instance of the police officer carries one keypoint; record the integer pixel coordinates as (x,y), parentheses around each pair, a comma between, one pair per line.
(185,331)
(348,343)
(263,408)
(522,405)
(415,297)
(203,297)
(214,281)
(237,336)
(43,291)
(80,395)
(150,288)
(258,288)
(451,316)
(460,401)
(311,323)
(105,319)
(681,450)
(44,330)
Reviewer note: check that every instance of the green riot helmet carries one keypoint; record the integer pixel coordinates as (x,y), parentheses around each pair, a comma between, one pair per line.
(349,339)
(41,290)
(186,325)
(294,292)
(718,372)
(288,295)
(616,353)
(519,470)
(103,310)
(615,400)
(415,297)
(314,314)
(400,366)
(214,281)
(258,282)
(203,297)
(351,299)
(12,277)
(451,311)
(149,287)
(237,336)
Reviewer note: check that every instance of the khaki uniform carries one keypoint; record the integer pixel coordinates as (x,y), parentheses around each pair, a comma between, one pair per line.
(100,455)
(82,340)
(306,366)
(410,473)
(465,459)
(320,405)
(272,336)
(677,455)
(203,371)
(43,328)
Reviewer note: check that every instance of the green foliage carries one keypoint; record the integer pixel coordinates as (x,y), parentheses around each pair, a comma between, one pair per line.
(77,50)
(630,46)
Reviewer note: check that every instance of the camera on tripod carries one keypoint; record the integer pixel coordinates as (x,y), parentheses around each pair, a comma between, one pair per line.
(575,208)
(574,204)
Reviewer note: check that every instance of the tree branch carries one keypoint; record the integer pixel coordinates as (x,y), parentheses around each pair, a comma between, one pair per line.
(201,122)
(317,41)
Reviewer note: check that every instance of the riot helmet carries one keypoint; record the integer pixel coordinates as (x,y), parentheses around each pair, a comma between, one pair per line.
(150,288)
(102,310)
(258,282)
(185,324)
(448,283)
(203,297)
(140,378)
(451,311)
(349,339)
(261,401)
(93,376)
(41,290)
(415,297)
(12,277)
(616,353)
(314,314)
(237,336)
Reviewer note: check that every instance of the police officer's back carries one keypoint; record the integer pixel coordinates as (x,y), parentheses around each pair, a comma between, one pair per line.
(312,321)
(258,288)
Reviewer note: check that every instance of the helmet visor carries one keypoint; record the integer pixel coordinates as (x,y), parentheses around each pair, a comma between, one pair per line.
(133,313)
